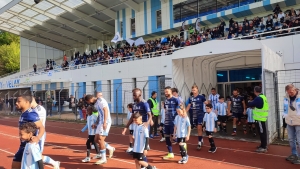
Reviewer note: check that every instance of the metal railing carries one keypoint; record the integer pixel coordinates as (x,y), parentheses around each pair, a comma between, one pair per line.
(72,65)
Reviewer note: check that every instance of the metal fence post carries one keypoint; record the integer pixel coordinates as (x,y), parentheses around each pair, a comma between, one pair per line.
(59,106)
(144,97)
(277,109)
(6,105)
(117,111)
(76,114)
(14,109)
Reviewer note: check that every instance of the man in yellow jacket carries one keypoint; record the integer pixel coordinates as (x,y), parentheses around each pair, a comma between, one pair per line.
(291,114)
(260,115)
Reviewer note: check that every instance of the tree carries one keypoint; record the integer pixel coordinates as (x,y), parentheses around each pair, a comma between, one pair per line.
(9,52)
(10,57)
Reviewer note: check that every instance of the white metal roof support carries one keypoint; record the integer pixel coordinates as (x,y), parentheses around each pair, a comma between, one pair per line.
(131,4)
(36,39)
(102,8)
(50,27)
(89,32)
(40,32)
(86,17)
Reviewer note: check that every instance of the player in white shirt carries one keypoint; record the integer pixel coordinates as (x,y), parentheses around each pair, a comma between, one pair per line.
(91,119)
(129,114)
(182,131)
(41,111)
(162,120)
(210,126)
(250,120)
(141,141)
(213,98)
(103,125)
(221,108)
(32,157)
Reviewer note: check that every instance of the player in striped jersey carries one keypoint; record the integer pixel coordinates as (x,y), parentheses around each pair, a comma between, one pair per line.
(32,157)
(129,114)
(102,124)
(91,119)
(162,120)
(213,98)
(250,120)
(210,126)
(182,131)
(41,111)
(141,141)
(221,108)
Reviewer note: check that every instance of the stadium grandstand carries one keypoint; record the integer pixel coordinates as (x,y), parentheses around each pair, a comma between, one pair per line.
(72,48)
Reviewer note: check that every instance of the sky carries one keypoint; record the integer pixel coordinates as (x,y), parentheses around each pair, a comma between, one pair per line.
(4,2)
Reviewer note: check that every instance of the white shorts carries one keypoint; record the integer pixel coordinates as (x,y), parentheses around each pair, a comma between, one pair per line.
(100,131)
(42,142)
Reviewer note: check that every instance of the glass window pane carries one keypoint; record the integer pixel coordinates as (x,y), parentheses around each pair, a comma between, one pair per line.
(56,11)
(132,26)
(41,17)
(17,8)
(206,7)
(189,10)
(73,3)
(15,19)
(222,76)
(158,19)
(245,74)
(44,5)
(29,2)
(176,13)
(6,15)
(29,13)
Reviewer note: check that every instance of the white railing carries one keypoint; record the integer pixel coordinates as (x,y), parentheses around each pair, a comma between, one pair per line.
(260,36)
(72,65)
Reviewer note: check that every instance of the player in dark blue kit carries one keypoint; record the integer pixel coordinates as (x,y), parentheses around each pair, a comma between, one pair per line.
(171,107)
(238,108)
(196,105)
(24,105)
(143,108)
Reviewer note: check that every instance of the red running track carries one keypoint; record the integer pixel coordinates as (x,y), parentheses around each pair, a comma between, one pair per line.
(65,144)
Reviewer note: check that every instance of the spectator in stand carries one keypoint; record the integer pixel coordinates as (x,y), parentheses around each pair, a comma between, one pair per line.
(65,57)
(296,24)
(231,33)
(292,11)
(72,104)
(246,30)
(34,68)
(231,22)
(269,23)
(47,62)
(281,16)
(245,21)
(277,9)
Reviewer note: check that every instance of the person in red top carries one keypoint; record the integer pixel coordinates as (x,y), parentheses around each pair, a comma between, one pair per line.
(65,57)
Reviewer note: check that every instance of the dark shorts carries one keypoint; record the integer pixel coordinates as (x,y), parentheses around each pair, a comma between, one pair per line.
(180,140)
(209,133)
(237,115)
(222,119)
(131,132)
(19,155)
(250,123)
(244,116)
(138,156)
(199,119)
(168,129)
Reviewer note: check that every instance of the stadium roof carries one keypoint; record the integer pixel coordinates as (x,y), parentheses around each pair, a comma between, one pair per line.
(62,24)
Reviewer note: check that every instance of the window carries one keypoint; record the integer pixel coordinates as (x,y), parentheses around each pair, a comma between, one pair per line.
(121,28)
(158,19)
(222,76)
(245,74)
(132,23)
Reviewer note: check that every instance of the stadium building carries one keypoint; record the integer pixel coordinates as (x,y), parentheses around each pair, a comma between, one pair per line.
(85,31)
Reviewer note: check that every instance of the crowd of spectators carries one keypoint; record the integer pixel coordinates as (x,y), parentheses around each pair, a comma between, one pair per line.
(248,27)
